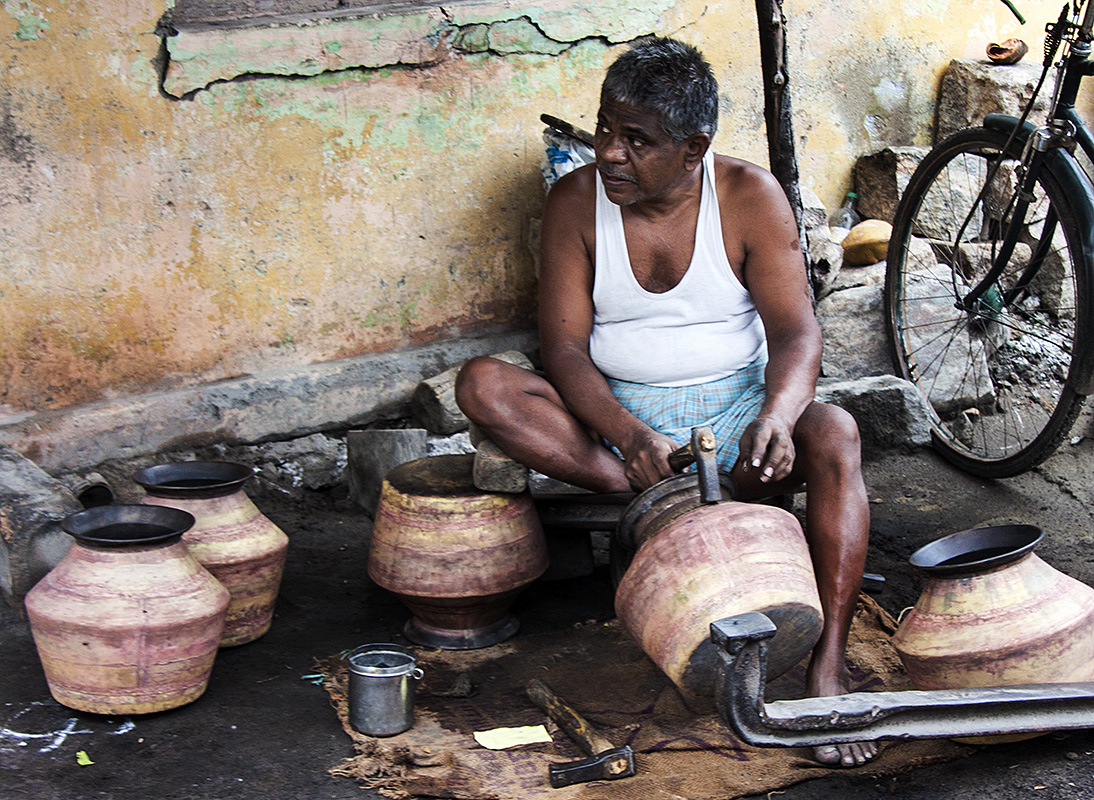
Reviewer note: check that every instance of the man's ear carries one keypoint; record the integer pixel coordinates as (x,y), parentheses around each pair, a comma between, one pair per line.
(695,147)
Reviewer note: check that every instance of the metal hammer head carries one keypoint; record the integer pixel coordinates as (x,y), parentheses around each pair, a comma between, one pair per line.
(607,766)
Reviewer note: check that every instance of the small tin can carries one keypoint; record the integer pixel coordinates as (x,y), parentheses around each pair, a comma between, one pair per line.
(383,679)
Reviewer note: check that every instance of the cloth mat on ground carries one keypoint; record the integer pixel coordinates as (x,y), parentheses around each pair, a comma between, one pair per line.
(683,748)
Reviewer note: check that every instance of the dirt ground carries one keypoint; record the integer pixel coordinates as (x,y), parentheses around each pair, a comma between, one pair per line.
(265,731)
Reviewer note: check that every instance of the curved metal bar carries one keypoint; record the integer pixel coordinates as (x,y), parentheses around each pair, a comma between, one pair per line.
(741,643)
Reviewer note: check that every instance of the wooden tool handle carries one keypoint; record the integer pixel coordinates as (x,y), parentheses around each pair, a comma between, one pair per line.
(566,718)
(681,457)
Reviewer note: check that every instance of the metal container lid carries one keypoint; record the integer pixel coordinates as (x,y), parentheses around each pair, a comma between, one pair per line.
(128,525)
(194,480)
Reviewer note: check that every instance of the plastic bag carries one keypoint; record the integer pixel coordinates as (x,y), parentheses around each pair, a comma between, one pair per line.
(562,154)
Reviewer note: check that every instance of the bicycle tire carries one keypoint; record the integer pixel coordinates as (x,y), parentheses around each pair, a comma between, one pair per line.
(995,378)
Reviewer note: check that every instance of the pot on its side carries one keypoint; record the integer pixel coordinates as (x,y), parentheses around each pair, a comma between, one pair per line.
(711,562)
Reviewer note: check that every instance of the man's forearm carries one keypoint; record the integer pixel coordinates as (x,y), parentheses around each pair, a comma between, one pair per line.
(588,396)
(790,378)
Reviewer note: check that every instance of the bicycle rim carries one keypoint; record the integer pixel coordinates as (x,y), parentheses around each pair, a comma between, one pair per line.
(995,377)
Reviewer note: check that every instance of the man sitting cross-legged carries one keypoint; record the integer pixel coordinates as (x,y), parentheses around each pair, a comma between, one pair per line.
(673,294)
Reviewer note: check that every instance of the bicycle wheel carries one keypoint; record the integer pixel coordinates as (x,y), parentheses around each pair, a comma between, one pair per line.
(995,377)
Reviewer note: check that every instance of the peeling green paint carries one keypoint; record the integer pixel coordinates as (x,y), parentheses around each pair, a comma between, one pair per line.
(30,20)
(521,36)
(199,57)
(472,38)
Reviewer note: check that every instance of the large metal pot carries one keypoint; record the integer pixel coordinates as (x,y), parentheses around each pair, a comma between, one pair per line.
(699,556)
(128,622)
(454,555)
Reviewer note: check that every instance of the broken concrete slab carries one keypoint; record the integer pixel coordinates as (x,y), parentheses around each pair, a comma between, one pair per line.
(971,89)
(32,505)
(853,331)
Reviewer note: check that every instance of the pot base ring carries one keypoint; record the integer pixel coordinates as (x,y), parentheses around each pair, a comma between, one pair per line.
(461,638)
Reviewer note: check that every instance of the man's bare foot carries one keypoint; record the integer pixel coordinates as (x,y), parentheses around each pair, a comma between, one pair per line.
(823,681)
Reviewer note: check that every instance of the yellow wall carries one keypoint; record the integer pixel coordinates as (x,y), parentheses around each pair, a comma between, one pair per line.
(298,207)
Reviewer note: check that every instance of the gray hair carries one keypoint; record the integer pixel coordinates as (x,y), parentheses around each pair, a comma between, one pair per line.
(670,78)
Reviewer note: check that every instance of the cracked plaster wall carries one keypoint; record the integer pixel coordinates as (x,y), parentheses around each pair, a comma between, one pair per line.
(326,190)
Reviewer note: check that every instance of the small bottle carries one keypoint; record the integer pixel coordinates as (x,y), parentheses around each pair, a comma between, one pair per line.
(845,218)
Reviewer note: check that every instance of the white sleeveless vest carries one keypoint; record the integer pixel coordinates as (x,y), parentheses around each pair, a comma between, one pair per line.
(703,329)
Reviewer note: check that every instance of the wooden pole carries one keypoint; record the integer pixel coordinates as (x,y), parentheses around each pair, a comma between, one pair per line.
(780,125)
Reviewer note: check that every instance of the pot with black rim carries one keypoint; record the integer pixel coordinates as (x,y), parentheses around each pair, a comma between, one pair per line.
(128,622)
(993,613)
(231,538)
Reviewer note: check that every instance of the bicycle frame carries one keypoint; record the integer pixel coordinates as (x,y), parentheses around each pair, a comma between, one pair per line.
(1049,146)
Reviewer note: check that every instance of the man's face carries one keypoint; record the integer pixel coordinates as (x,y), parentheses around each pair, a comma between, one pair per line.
(637,160)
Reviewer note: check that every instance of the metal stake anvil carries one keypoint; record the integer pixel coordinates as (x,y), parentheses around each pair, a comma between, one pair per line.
(741,643)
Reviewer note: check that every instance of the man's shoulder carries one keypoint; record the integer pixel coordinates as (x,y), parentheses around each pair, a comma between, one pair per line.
(580,182)
(735,171)
(742,180)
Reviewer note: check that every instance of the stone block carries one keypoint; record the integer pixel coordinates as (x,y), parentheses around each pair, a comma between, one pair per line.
(494,471)
(853,332)
(454,445)
(32,505)
(309,463)
(854,277)
(371,454)
(882,177)
(890,411)
(971,89)
(433,403)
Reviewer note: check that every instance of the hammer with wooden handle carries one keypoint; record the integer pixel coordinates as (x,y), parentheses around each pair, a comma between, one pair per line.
(605,762)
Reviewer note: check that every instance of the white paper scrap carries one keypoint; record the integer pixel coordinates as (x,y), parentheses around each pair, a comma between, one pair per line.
(501,738)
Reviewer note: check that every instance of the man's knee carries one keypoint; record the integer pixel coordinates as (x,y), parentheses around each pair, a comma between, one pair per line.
(477,384)
(487,388)
(830,432)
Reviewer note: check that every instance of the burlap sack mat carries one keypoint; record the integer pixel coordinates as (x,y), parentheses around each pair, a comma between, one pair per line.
(684,749)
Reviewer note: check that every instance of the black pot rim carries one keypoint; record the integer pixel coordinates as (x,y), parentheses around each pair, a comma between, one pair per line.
(1009,542)
(133,525)
(177,479)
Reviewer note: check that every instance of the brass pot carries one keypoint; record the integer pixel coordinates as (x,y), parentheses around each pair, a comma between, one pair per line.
(128,622)
(231,538)
(454,555)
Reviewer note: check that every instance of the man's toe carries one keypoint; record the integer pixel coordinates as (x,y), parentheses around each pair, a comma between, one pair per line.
(827,754)
(857,754)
